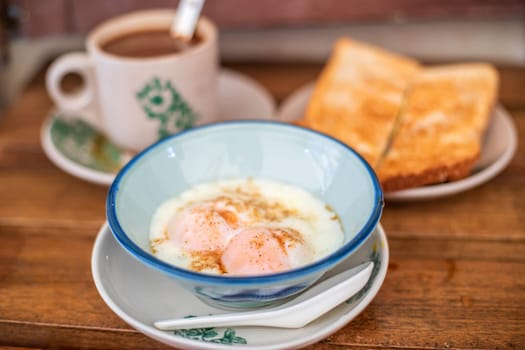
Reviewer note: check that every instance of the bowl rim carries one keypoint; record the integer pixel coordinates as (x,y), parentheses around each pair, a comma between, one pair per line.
(323,264)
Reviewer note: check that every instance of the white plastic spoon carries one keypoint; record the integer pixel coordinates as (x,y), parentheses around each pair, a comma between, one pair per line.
(297,313)
(185,21)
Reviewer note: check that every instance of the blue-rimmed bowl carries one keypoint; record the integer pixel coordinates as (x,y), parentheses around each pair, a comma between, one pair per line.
(277,151)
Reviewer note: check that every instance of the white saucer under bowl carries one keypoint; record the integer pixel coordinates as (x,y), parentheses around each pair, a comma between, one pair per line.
(82,151)
(499,145)
(140,296)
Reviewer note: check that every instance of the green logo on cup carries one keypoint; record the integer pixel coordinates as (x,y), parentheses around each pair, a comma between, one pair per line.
(161,101)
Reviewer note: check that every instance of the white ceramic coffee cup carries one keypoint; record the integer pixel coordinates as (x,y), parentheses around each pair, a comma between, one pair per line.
(137,101)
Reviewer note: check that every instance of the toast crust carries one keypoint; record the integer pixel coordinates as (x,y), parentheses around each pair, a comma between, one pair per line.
(440,174)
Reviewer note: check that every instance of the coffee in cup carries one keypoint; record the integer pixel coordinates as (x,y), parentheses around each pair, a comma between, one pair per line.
(148,43)
(141,84)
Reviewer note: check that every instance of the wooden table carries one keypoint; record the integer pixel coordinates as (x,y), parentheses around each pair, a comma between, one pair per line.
(456,278)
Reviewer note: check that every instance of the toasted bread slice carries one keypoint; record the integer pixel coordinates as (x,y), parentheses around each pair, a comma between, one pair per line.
(439,137)
(358,95)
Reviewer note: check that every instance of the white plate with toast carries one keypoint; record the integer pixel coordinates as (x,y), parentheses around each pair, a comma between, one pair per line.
(499,145)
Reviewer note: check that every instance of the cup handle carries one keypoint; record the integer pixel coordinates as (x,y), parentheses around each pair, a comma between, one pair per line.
(75,62)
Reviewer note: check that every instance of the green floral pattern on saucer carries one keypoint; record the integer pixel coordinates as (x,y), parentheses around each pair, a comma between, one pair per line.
(211,335)
(83,144)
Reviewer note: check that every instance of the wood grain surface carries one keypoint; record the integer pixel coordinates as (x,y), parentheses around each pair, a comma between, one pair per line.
(456,278)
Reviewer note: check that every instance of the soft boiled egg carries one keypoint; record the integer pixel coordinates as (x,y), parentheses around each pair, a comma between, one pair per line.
(202,227)
(244,227)
(259,250)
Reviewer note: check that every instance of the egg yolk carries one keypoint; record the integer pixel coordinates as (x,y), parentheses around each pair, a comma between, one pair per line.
(260,250)
(202,228)
(219,234)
